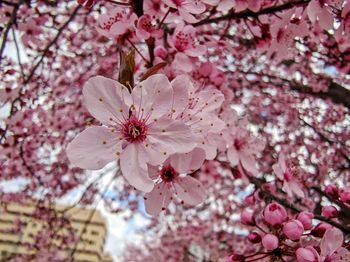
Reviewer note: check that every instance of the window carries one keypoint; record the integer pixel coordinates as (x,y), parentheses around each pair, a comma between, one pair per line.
(94,233)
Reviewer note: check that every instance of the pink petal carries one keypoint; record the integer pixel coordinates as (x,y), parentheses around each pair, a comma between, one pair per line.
(94,148)
(134,168)
(159,198)
(153,172)
(187,16)
(295,187)
(282,162)
(104,98)
(181,86)
(171,136)
(331,241)
(196,51)
(183,62)
(193,7)
(190,190)
(209,100)
(232,156)
(248,162)
(188,162)
(225,5)
(210,145)
(278,171)
(152,96)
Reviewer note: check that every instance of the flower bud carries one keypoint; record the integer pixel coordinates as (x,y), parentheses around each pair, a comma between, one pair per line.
(320,229)
(329,211)
(275,214)
(254,237)
(345,195)
(332,191)
(293,229)
(247,217)
(250,200)
(308,254)
(305,218)
(270,242)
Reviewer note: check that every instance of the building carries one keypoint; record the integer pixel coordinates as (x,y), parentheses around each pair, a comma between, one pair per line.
(88,225)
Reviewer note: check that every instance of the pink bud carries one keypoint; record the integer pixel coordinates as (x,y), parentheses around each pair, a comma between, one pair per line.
(329,211)
(305,218)
(293,229)
(332,191)
(270,242)
(249,200)
(320,229)
(247,217)
(345,195)
(275,214)
(254,237)
(308,254)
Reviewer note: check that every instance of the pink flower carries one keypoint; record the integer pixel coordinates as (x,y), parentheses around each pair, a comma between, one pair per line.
(247,217)
(146,28)
(270,242)
(186,8)
(329,211)
(184,42)
(308,254)
(31,32)
(275,214)
(305,218)
(242,149)
(293,229)
(254,237)
(136,129)
(116,22)
(284,173)
(196,108)
(172,179)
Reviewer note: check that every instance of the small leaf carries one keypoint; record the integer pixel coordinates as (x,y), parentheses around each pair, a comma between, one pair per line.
(153,70)
(126,69)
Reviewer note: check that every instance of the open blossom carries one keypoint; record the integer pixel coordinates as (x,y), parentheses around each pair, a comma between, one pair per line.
(184,42)
(136,128)
(242,148)
(187,8)
(285,174)
(147,27)
(31,32)
(173,179)
(117,22)
(197,107)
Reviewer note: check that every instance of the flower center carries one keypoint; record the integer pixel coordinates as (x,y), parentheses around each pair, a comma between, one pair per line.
(134,130)
(239,143)
(168,174)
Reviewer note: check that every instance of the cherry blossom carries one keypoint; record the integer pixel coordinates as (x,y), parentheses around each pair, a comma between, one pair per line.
(173,178)
(136,129)
(286,174)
